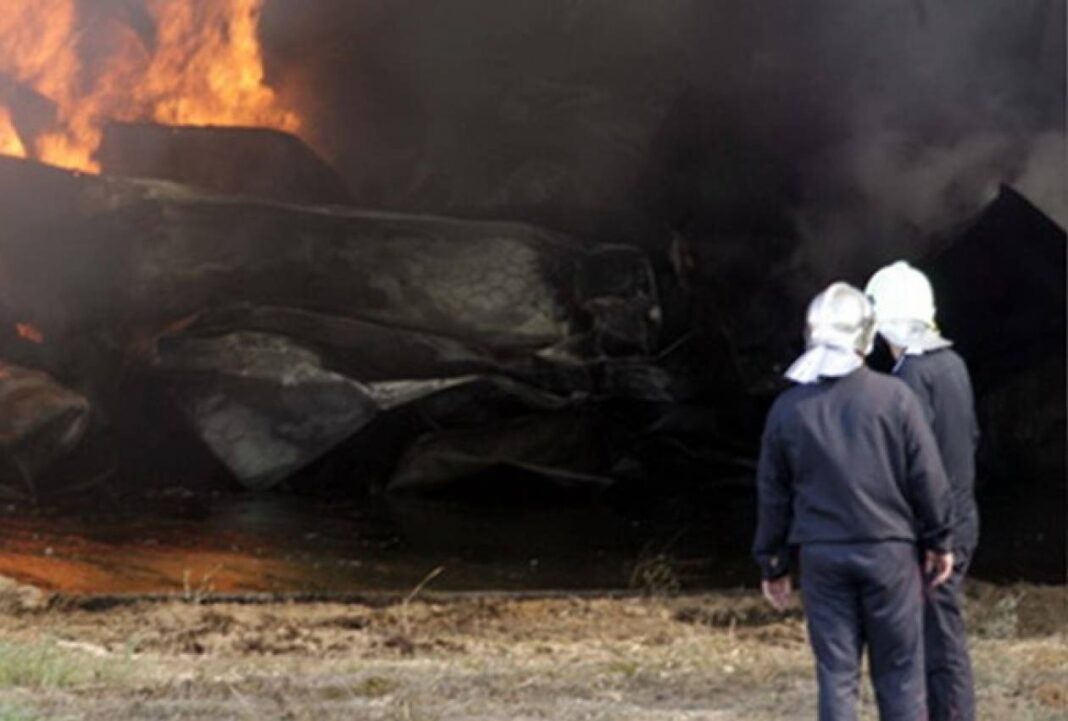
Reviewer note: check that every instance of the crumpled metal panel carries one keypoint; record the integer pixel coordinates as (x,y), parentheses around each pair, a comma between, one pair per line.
(283,331)
(561,447)
(40,422)
(266,407)
(146,253)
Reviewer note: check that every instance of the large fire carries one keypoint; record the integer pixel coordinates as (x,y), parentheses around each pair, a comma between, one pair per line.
(201,64)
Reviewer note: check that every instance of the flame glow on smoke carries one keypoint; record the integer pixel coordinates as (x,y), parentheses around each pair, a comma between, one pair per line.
(28,331)
(10,144)
(202,65)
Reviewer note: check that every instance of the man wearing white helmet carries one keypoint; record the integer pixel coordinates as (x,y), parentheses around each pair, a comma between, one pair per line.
(905,317)
(849,473)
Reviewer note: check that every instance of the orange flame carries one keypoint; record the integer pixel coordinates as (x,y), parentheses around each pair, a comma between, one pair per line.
(204,66)
(29,332)
(10,142)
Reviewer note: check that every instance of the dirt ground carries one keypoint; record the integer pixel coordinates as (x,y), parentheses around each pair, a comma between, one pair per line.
(720,656)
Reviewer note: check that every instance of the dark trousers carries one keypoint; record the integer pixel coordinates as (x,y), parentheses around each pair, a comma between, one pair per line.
(866,594)
(950,689)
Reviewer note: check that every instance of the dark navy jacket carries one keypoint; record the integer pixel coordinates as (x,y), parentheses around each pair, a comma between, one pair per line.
(848,460)
(940,380)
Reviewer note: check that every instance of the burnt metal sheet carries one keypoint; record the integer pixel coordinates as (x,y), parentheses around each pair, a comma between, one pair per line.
(127,254)
(267,408)
(282,332)
(40,422)
(255,162)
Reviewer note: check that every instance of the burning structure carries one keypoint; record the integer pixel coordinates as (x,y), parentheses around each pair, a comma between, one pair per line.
(171,62)
(592,226)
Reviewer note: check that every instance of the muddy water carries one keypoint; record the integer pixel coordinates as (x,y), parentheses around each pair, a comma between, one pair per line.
(258,543)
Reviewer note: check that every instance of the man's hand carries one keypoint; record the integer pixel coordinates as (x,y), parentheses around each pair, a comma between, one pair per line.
(778,592)
(937,567)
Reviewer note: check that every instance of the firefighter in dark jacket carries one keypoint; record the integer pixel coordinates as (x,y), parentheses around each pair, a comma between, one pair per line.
(905,317)
(849,474)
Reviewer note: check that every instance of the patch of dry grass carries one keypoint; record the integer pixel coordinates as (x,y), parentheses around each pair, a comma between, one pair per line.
(716,657)
(45,665)
(15,713)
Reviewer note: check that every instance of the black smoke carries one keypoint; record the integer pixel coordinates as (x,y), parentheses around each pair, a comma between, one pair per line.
(850,131)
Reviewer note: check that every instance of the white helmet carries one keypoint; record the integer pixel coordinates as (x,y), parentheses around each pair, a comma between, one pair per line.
(905,308)
(901,293)
(840,317)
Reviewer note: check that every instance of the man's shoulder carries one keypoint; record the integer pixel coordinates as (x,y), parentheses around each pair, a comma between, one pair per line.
(950,358)
(862,382)
(885,383)
(933,366)
(891,394)
(788,400)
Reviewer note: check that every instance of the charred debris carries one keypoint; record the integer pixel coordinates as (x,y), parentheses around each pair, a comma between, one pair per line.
(174,323)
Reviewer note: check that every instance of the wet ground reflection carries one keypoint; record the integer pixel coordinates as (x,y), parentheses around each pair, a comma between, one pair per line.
(196,544)
(285,544)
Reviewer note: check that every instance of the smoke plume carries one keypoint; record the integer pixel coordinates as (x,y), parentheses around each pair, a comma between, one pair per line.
(866,126)
(841,133)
